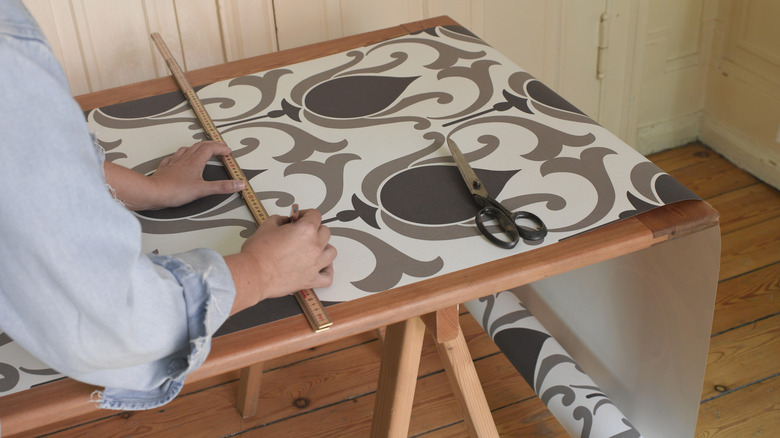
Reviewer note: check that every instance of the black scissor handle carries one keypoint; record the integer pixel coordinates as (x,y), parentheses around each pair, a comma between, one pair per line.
(526,233)
(506,223)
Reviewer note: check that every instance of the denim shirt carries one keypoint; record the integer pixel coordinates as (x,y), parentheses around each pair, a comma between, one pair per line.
(76,290)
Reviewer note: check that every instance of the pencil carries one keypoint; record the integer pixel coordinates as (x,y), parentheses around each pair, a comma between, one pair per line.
(294,213)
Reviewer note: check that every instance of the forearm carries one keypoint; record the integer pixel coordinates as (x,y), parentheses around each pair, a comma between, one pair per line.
(249,285)
(136,190)
(177,181)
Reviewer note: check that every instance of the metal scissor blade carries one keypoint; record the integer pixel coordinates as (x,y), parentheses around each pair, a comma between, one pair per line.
(474,184)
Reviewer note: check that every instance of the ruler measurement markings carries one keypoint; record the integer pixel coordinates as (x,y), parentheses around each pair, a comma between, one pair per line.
(310,304)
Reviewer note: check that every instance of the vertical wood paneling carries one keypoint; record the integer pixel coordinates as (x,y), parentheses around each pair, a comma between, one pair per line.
(161,18)
(517,29)
(362,16)
(301,22)
(459,10)
(114,41)
(333,23)
(105,43)
(248,28)
(200,33)
(56,20)
(552,37)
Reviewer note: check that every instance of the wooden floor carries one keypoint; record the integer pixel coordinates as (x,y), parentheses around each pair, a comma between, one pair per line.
(329,391)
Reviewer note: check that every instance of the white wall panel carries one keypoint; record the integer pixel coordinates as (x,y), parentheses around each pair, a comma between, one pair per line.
(161,18)
(672,90)
(114,41)
(466,12)
(741,117)
(682,30)
(518,29)
(56,20)
(248,28)
(106,43)
(753,42)
(301,22)
(200,33)
(359,16)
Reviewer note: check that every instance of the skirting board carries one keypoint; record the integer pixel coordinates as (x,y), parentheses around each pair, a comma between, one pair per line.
(761,162)
(659,136)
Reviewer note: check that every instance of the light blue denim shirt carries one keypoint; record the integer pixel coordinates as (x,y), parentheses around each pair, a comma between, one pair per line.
(75,288)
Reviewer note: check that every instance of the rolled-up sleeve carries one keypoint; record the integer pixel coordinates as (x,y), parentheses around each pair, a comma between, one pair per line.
(76,290)
(208,293)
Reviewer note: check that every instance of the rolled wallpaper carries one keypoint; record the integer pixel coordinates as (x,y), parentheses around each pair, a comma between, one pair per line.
(575,400)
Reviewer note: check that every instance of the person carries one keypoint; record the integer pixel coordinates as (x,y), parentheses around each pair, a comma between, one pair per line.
(76,290)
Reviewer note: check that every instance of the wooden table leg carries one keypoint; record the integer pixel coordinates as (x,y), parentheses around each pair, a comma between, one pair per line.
(397,378)
(466,386)
(249,389)
(444,325)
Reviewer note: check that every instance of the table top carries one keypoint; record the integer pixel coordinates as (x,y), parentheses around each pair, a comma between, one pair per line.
(609,238)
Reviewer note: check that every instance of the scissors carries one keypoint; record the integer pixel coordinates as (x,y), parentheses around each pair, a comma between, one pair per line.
(494,210)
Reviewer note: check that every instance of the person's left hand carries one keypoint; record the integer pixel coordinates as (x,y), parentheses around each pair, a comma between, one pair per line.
(179,177)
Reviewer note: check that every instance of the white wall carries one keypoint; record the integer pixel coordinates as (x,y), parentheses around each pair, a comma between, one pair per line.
(672,88)
(105,43)
(711,71)
(741,116)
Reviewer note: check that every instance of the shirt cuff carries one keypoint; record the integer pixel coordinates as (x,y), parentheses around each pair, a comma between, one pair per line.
(208,290)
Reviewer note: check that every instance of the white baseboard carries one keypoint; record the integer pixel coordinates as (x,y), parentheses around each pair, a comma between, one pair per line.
(659,136)
(761,162)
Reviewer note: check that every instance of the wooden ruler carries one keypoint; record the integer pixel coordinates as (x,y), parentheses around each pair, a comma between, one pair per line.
(308,300)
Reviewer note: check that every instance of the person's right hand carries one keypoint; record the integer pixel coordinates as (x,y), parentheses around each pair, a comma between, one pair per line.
(282,257)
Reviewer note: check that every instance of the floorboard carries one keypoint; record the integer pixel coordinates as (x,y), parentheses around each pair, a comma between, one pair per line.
(753,349)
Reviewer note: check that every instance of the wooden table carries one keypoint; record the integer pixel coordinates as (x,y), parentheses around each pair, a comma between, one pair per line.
(404,310)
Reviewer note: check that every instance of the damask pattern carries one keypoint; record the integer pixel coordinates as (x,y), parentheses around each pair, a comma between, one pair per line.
(577,402)
(361,136)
